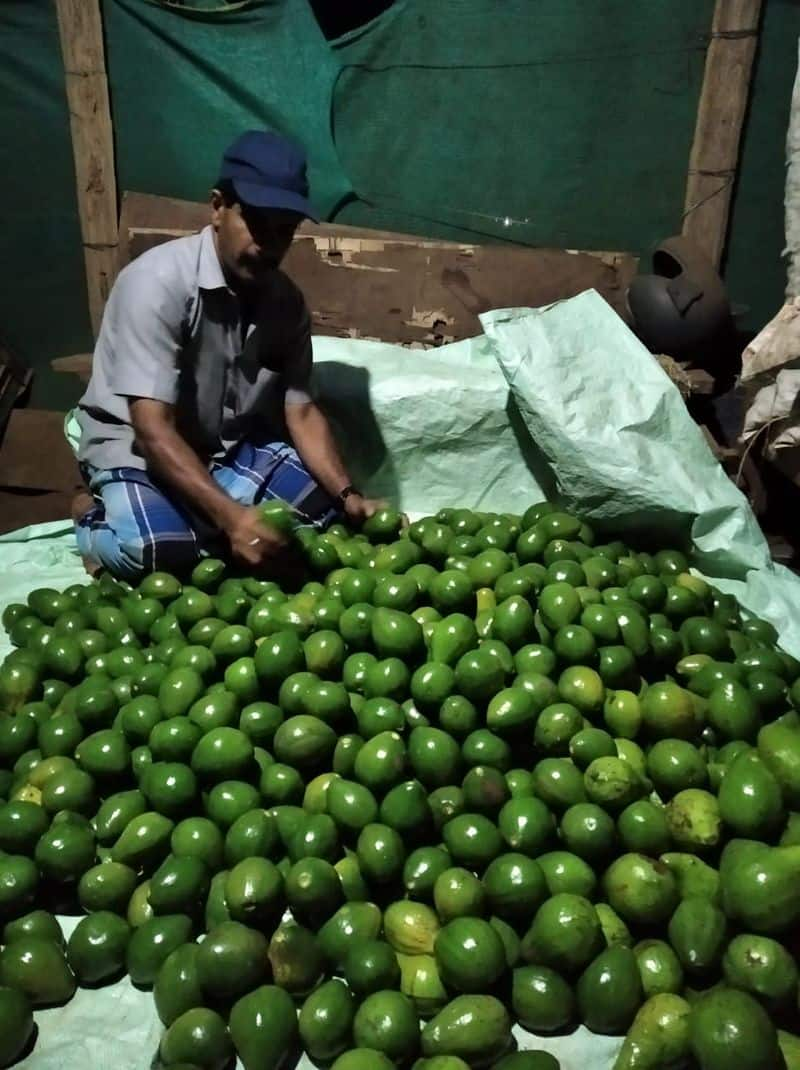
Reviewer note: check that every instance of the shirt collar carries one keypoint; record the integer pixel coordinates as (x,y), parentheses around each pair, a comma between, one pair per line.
(209,274)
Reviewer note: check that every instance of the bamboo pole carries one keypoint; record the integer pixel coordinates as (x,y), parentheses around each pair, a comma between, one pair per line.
(81,31)
(720,117)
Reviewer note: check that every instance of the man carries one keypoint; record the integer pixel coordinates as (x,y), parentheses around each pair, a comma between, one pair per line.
(199,403)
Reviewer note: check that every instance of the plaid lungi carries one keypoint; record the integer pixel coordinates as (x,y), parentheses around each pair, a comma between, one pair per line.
(135,527)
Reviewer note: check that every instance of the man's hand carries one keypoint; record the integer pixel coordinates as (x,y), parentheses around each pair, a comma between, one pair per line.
(358,508)
(253,542)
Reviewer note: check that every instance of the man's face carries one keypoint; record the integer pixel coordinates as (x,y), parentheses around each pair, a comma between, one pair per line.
(251,242)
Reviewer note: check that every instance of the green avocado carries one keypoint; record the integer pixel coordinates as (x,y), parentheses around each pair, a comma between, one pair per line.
(18,685)
(38,924)
(138,718)
(560,784)
(17,735)
(615,931)
(516,886)
(216,910)
(567,872)
(609,991)
(179,690)
(144,842)
(728,1028)
(452,637)
(697,932)
(750,799)
(659,968)
(229,800)
(541,999)
(421,869)
(197,837)
(60,735)
(173,740)
(16,1024)
(348,927)
(368,1059)
(469,954)
(528,1060)
(254,892)
(295,957)
(659,1035)
(565,934)
(763,967)
(304,741)
(513,622)
(170,788)
(387,1021)
(588,832)
(421,982)
(371,967)
(179,885)
(526,825)
(692,875)
(152,942)
(476,1028)
(217,709)
(222,754)
(177,985)
(21,825)
(380,853)
(96,950)
(779,749)
(263,1026)
(326,1019)
(232,961)
(198,1037)
(108,886)
(472,840)
(640,889)
(139,910)
(410,928)
(434,757)
(643,826)
(694,821)
(65,851)
(253,834)
(38,968)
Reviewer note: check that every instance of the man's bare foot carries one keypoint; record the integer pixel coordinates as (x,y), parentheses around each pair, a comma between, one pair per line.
(82,503)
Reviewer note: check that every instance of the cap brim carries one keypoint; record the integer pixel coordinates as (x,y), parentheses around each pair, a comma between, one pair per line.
(257,196)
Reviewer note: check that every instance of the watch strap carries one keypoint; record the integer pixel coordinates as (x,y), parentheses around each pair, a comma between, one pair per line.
(346,492)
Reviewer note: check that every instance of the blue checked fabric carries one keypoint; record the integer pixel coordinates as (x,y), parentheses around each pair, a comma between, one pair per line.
(135,528)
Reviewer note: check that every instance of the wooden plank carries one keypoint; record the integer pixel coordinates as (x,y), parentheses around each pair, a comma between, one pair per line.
(81,32)
(79,364)
(720,117)
(400,287)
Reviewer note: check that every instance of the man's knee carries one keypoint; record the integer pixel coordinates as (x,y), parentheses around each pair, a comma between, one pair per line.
(165,553)
(131,559)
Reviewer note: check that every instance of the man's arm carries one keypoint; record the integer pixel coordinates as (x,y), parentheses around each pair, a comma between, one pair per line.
(173,460)
(313,439)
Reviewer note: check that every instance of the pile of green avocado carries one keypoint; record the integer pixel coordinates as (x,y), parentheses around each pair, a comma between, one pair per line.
(471,772)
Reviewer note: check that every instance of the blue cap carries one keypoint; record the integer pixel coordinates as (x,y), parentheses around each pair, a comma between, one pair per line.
(268,171)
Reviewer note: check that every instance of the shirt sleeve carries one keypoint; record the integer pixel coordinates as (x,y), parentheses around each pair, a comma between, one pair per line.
(299,361)
(146,331)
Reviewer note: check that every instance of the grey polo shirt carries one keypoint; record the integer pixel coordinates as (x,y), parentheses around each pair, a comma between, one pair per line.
(172,331)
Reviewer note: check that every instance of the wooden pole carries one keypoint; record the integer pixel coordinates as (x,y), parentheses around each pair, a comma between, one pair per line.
(720,116)
(80,28)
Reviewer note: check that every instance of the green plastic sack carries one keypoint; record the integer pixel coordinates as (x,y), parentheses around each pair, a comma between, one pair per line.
(624,451)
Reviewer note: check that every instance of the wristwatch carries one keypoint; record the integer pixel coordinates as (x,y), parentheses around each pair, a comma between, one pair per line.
(345,493)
